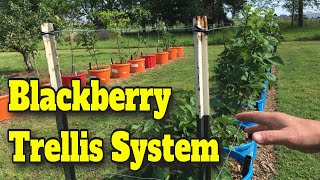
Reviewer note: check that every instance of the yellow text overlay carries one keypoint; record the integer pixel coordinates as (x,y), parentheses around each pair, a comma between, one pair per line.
(26,95)
(165,150)
(74,147)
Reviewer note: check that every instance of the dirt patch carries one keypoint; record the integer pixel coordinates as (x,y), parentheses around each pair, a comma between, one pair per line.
(4,92)
(25,74)
(235,169)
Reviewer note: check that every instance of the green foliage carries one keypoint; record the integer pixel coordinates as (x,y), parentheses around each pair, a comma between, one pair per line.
(20,26)
(168,40)
(89,40)
(138,16)
(182,123)
(227,131)
(242,66)
(115,20)
(142,41)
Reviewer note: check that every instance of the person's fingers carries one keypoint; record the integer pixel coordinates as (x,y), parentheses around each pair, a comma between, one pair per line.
(253,129)
(269,137)
(263,118)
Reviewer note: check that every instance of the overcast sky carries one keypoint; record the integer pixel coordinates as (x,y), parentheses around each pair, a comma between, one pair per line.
(280,10)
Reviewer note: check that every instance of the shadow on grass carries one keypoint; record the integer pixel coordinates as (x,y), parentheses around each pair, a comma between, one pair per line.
(7,71)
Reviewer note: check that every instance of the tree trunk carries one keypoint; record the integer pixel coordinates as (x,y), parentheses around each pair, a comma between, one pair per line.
(300,13)
(293,12)
(27,61)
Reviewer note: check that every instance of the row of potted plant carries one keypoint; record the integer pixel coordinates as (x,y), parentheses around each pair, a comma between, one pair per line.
(123,65)
(124,68)
(119,70)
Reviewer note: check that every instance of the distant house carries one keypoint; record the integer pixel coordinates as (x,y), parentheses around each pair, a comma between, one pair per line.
(284,17)
(312,15)
(307,15)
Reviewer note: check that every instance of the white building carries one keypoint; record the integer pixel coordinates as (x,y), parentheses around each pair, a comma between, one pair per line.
(312,15)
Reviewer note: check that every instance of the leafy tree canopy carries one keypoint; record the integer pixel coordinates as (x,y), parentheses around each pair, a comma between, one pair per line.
(20,22)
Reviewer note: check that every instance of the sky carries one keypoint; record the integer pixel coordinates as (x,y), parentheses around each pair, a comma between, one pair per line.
(279,10)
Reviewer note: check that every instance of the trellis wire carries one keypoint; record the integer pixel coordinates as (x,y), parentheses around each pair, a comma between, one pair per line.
(135,29)
(227,158)
(133,177)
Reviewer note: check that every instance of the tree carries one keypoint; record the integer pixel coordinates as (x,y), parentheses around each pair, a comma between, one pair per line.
(217,10)
(296,7)
(115,20)
(20,22)
(291,6)
(300,13)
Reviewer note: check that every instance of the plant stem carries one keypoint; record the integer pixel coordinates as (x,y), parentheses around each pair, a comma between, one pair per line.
(95,58)
(139,40)
(72,57)
(118,44)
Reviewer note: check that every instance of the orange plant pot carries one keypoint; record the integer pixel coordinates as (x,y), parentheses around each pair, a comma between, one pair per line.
(4,114)
(102,74)
(172,54)
(137,65)
(180,51)
(120,70)
(45,82)
(67,79)
(162,57)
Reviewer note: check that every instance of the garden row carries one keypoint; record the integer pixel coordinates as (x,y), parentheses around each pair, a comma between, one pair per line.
(103,73)
(246,153)
(125,68)
(241,77)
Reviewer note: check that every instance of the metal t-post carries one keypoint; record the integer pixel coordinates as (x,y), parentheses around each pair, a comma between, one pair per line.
(56,83)
(201,66)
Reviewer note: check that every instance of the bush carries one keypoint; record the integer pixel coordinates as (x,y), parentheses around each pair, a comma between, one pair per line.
(242,66)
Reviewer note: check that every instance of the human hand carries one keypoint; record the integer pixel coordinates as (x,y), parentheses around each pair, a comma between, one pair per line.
(282,129)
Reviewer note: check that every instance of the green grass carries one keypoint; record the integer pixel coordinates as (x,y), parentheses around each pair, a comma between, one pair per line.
(298,95)
(154,40)
(178,75)
(310,32)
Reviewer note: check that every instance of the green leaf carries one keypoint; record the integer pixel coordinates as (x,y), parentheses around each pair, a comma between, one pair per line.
(276,60)
(271,77)
(148,126)
(135,127)
(225,120)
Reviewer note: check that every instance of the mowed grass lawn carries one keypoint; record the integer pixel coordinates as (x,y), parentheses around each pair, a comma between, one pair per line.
(298,95)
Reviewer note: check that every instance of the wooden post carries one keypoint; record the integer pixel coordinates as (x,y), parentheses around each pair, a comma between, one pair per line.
(200,38)
(56,83)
